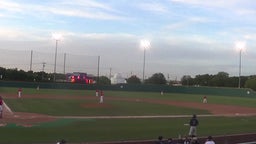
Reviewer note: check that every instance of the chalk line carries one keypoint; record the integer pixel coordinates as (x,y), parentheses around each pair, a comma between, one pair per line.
(8,109)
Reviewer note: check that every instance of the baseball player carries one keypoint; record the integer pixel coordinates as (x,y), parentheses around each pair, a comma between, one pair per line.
(101,96)
(19,92)
(205,99)
(97,93)
(193,124)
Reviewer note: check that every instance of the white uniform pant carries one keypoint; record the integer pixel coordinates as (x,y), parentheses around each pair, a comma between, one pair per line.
(19,94)
(101,99)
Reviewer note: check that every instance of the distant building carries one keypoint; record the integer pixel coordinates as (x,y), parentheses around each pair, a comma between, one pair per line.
(78,77)
(118,79)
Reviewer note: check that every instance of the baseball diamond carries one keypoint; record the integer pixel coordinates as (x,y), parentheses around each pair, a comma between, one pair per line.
(29,119)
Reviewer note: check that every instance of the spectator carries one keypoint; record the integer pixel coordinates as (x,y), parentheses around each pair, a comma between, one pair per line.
(186,140)
(170,141)
(1,107)
(209,140)
(194,140)
(61,141)
(193,124)
(179,141)
(160,140)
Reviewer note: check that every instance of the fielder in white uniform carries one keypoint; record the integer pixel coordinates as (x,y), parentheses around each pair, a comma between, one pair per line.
(19,92)
(101,96)
(205,99)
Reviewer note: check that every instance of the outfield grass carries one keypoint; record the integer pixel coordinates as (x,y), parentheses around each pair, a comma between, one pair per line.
(227,100)
(91,130)
(75,107)
(54,92)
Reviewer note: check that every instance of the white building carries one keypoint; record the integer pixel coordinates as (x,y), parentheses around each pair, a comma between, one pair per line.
(117,79)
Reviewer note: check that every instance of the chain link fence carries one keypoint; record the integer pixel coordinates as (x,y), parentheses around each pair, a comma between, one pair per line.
(43,61)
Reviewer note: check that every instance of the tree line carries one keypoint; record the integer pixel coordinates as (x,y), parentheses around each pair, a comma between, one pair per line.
(221,79)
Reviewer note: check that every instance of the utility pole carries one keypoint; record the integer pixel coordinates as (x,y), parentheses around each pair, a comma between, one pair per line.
(43,70)
(98,72)
(64,69)
(110,70)
(31,57)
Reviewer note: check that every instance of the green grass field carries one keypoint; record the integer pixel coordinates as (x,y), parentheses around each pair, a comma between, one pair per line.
(96,130)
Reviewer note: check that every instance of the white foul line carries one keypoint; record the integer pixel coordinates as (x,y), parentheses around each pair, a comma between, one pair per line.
(8,109)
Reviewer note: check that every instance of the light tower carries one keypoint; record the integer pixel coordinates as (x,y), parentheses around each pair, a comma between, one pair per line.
(145,44)
(240,47)
(56,37)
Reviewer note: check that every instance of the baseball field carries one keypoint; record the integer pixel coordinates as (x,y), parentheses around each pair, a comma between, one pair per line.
(48,115)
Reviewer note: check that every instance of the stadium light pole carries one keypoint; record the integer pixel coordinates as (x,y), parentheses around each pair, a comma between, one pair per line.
(57,38)
(240,46)
(145,44)
(240,58)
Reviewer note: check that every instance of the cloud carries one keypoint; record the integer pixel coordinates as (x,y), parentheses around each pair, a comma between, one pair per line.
(188,22)
(29,34)
(207,3)
(78,8)
(199,20)
(105,36)
(10,6)
(238,7)
(187,36)
(88,4)
(246,12)
(153,7)
(86,9)
(84,14)
(10,33)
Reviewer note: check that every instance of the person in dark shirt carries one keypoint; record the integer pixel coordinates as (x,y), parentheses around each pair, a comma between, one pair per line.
(61,141)
(160,140)
(170,141)
(209,140)
(193,124)
(1,107)
(186,140)
(194,140)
